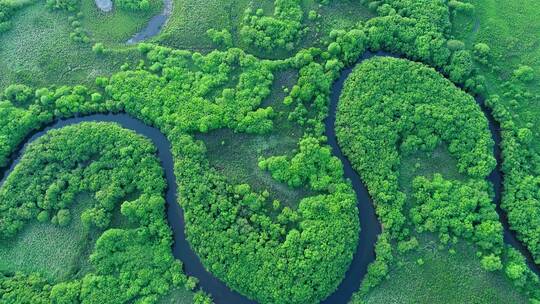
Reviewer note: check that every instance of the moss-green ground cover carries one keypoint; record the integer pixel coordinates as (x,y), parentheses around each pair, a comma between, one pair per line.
(38,51)
(56,252)
(117,26)
(433,275)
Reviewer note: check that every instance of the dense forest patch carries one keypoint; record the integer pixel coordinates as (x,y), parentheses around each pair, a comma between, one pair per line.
(111,163)
(422,110)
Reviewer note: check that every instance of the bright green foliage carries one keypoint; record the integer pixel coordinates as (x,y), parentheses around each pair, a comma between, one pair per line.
(517,270)
(415,28)
(68,5)
(222,37)
(313,165)
(419,29)
(135,5)
(311,93)
(455,209)
(301,264)
(28,288)
(521,199)
(195,93)
(39,108)
(282,30)
(391,107)
(202,298)
(112,163)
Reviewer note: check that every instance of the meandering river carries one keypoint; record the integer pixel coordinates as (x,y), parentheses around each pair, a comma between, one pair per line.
(370,226)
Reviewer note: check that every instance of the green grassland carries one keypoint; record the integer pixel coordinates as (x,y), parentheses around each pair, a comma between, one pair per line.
(511,29)
(443,277)
(56,252)
(191,19)
(37,51)
(117,26)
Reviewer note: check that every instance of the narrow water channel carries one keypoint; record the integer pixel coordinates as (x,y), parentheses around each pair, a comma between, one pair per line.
(155,25)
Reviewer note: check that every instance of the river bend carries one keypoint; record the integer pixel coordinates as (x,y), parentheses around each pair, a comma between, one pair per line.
(370,226)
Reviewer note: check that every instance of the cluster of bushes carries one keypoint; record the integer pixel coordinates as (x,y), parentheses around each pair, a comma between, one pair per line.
(521,168)
(420,30)
(112,163)
(455,209)
(78,34)
(317,71)
(313,165)
(135,5)
(66,5)
(222,38)
(23,110)
(280,31)
(190,92)
(7,9)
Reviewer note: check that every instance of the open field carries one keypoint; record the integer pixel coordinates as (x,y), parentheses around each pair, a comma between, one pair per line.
(56,252)
(37,51)
(443,277)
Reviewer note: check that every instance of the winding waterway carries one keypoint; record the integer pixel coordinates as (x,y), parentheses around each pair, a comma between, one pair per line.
(370,226)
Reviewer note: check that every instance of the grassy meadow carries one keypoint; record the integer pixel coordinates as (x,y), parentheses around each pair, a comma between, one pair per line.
(432,275)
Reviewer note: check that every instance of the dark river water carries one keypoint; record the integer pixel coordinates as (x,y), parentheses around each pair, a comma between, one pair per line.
(370,226)
(155,24)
